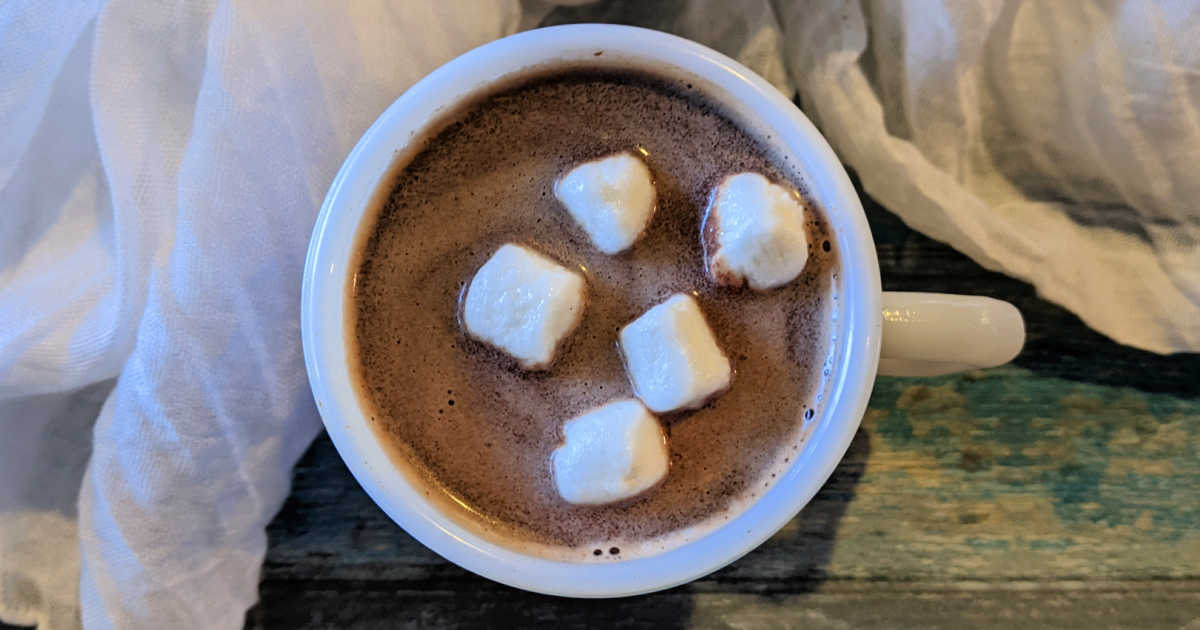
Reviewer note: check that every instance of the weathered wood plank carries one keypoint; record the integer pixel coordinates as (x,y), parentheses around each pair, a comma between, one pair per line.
(377,605)
(938,484)
(1002,475)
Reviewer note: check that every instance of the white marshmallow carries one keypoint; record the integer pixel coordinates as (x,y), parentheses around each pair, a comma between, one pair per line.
(611,199)
(754,232)
(524,304)
(611,453)
(672,357)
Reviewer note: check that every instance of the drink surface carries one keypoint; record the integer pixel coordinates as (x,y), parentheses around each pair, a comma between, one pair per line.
(475,431)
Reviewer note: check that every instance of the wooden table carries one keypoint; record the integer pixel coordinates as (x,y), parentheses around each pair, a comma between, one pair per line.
(1060,491)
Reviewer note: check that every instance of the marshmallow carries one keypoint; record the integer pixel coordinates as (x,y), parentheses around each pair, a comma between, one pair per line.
(672,357)
(611,199)
(754,232)
(524,304)
(611,453)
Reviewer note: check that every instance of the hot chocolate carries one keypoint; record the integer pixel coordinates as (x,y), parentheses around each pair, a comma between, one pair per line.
(475,429)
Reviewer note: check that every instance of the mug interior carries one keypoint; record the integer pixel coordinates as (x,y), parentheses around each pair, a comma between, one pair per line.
(854,333)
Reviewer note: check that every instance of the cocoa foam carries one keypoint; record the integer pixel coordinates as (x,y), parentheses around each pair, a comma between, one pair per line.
(475,431)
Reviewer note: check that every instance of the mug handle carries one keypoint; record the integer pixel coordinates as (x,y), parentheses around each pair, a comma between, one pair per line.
(929,334)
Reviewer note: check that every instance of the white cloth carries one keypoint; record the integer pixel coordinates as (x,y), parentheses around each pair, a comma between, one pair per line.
(160,171)
(1053,141)
(161,165)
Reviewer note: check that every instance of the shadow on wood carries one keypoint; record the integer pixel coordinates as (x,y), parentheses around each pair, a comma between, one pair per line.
(336,560)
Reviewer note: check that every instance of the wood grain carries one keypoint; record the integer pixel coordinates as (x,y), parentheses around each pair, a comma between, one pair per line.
(1060,491)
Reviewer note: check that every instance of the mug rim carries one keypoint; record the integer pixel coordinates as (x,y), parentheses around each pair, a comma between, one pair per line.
(326,362)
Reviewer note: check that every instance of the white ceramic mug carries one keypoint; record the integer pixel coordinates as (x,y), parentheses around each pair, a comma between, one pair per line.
(919,334)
